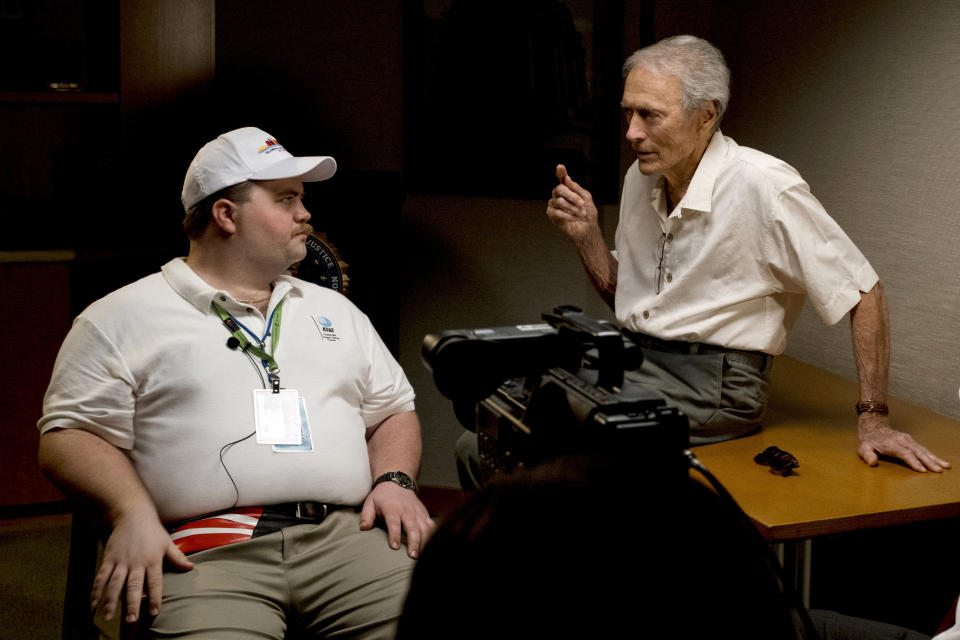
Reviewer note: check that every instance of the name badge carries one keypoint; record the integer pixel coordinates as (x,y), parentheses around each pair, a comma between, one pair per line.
(277,416)
(306,441)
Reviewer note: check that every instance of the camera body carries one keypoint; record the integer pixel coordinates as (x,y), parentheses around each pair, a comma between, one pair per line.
(535,392)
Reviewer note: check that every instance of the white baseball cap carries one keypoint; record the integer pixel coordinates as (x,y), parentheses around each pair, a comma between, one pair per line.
(247,154)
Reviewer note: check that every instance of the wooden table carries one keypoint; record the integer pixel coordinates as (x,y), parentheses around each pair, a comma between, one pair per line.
(811,415)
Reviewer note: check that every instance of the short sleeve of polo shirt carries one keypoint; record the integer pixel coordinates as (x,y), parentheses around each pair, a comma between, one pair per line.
(808,252)
(91,387)
(386,390)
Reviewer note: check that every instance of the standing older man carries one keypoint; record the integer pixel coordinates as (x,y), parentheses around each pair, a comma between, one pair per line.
(717,247)
(253,465)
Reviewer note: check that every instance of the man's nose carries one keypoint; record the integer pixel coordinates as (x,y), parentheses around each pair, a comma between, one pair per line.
(635,130)
(302,214)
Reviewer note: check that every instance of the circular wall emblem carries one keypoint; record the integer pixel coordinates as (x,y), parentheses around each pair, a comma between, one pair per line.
(322,265)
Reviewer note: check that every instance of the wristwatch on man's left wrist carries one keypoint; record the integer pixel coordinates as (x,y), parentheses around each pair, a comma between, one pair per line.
(397,477)
(873,406)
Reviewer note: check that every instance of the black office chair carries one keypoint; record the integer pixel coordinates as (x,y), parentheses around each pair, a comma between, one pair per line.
(81,568)
(87,534)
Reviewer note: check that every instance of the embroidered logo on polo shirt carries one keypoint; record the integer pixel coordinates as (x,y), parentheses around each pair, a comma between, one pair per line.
(327,332)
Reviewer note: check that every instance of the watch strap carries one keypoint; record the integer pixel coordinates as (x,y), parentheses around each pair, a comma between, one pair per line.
(872,406)
(399,478)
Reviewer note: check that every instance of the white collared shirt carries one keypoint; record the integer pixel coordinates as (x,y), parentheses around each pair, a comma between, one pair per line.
(733,262)
(147,369)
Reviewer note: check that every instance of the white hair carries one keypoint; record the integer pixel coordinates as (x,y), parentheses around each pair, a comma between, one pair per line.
(698,65)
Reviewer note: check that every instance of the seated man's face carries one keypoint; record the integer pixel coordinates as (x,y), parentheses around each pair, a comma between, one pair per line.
(665,138)
(272,225)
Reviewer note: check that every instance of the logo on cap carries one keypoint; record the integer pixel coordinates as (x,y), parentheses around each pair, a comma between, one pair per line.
(270,145)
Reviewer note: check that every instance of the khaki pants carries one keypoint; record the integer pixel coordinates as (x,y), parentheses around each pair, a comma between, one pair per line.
(329,580)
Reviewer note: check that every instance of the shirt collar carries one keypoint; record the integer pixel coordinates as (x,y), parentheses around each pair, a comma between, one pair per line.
(699,196)
(658,201)
(197,292)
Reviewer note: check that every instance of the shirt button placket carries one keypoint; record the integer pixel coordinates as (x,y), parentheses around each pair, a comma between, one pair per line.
(668,239)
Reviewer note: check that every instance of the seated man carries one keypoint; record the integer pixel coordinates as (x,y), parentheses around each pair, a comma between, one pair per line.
(717,248)
(254,466)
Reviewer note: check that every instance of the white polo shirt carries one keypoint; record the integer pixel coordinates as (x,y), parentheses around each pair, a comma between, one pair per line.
(733,262)
(147,368)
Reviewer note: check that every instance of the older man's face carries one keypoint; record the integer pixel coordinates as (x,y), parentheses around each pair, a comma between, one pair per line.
(666,139)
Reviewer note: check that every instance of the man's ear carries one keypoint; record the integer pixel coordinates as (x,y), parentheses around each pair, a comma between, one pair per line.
(223,214)
(708,114)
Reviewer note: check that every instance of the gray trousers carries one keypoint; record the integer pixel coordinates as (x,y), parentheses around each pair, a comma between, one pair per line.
(723,394)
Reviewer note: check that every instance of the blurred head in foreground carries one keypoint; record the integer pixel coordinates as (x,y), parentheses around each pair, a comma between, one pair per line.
(574,549)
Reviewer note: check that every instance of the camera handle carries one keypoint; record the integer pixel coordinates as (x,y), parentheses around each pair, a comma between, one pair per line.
(604,337)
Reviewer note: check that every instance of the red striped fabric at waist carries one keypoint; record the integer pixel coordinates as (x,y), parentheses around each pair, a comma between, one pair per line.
(240,524)
(217,530)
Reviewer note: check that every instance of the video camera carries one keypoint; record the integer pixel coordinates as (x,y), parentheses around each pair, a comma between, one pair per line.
(533,392)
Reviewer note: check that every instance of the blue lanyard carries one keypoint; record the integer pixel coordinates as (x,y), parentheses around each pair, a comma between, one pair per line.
(236,329)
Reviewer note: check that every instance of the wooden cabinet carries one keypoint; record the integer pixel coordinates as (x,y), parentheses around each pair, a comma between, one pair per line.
(35,307)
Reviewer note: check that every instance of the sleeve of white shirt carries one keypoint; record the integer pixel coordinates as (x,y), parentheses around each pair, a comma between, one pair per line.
(386,389)
(91,388)
(953,633)
(813,255)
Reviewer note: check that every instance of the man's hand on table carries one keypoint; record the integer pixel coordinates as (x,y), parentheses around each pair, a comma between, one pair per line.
(878,438)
